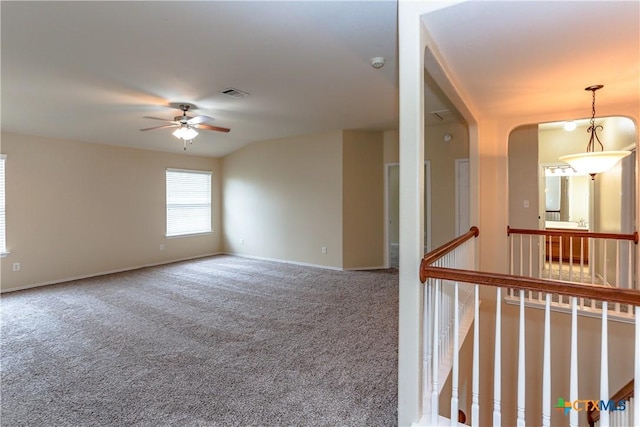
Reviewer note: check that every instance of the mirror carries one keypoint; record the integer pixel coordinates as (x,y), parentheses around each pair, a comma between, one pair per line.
(568,200)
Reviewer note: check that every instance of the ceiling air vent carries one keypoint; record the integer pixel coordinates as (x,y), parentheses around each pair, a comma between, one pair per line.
(441,114)
(234,93)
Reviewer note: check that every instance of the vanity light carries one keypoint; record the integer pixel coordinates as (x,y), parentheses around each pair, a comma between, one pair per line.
(594,162)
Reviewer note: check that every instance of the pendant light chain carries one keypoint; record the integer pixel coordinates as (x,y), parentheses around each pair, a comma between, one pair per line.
(593,162)
(591,146)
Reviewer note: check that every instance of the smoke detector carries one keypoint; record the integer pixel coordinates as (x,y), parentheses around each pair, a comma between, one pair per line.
(377,62)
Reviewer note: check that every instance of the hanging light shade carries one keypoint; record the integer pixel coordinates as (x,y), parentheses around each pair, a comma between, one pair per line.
(594,162)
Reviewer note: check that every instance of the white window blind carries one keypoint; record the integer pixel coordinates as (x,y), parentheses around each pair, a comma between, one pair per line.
(3,222)
(188,202)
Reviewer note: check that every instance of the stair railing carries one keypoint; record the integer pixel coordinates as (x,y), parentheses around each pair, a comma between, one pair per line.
(622,418)
(450,308)
(435,276)
(574,256)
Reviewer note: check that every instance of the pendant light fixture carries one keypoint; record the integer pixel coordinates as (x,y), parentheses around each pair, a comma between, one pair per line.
(594,162)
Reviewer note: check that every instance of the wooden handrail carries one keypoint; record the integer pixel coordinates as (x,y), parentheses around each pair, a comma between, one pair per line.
(633,237)
(623,394)
(438,253)
(598,292)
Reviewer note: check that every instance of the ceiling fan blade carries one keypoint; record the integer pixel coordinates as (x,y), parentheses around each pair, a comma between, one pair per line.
(158,118)
(160,127)
(199,119)
(209,127)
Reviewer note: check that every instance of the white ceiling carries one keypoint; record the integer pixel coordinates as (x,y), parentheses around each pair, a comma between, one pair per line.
(523,58)
(89,71)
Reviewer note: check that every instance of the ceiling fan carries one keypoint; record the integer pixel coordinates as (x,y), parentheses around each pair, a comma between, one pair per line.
(186,125)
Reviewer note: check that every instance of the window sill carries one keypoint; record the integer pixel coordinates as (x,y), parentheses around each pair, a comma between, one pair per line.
(178,236)
(4,254)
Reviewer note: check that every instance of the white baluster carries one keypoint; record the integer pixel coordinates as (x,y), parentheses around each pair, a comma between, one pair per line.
(521,366)
(604,260)
(617,285)
(475,385)
(521,255)
(604,365)
(454,372)
(510,253)
(573,388)
(530,256)
(435,359)
(581,260)
(630,267)
(428,341)
(497,368)
(550,256)
(560,238)
(571,259)
(592,266)
(540,255)
(636,384)
(546,365)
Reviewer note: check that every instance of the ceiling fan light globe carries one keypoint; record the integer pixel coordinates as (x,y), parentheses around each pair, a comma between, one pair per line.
(185,133)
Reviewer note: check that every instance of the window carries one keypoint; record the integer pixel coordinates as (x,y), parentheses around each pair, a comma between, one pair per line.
(188,202)
(3,239)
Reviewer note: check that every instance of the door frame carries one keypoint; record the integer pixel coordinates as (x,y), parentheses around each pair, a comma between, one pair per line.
(460,195)
(427,208)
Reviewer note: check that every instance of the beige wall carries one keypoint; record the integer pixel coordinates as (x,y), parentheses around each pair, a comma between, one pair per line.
(493,159)
(523,187)
(442,156)
(394,204)
(391,155)
(523,177)
(77,209)
(283,200)
(391,150)
(554,142)
(362,200)
(287,199)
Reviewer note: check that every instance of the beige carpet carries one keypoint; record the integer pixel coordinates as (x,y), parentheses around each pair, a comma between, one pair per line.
(221,341)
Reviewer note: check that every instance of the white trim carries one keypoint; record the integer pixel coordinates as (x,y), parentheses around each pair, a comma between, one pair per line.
(102,273)
(178,236)
(427,210)
(284,261)
(380,267)
(427,205)
(204,172)
(4,254)
(458,162)
(386,259)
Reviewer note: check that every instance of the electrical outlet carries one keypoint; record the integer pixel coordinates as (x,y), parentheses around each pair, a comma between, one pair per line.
(242,241)
(324,249)
(16,266)
(161,246)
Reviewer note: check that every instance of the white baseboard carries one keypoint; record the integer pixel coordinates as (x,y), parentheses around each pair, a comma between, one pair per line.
(305,264)
(102,273)
(364,268)
(284,261)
